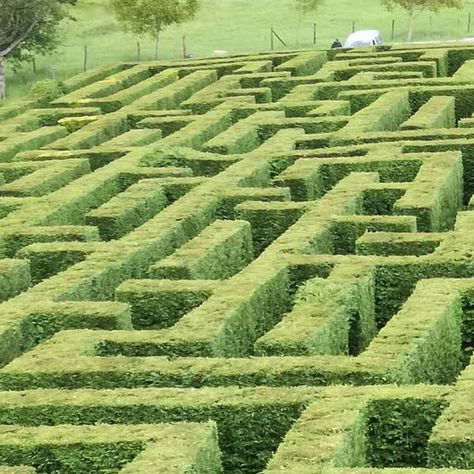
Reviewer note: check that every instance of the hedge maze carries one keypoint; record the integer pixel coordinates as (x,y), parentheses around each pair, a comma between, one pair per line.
(252,264)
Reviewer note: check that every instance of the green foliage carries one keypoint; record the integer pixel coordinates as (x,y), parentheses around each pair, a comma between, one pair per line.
(307,330)
(110,448)
(30,26)
(14,278)
(308,6)
(432,5)
(150,17)
(398,431)
(46,91)
(159,304)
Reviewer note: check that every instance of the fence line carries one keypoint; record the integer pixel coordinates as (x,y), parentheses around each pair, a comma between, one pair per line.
(393,32)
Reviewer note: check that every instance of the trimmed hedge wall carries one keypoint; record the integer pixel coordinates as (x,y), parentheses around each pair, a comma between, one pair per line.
(102,448)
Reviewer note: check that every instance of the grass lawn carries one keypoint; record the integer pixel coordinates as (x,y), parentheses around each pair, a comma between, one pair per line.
(231,25)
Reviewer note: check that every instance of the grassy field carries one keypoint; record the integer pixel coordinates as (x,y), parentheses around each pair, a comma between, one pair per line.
(231,25)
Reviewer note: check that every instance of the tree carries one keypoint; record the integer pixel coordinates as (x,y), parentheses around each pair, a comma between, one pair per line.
(303,7)
(415,7)
(151,17)
(27,27)
(308,6)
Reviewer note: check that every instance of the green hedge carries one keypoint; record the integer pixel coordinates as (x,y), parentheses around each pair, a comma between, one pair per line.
(95,133)
(157,304)
(319,161)
(17,470)
(451,442)
(304,64)
(28,141)
(347,230)
(128,209)
(398,431)
(435,196)
(438,112)
(50,317)
(170,96)
(117,100)
(109,85)
(251,422)
(386,113)
(97,74)
(102,448)
(241,137)
(398,243)
(35,118)
(15,277)
(134,138)
(348,70)
(15,239)
(48,259)
(269,220)
(166,125)
(134,359)
(197,133)
(221,251)
(354,431)
(430,351)
(47,178)
(333,316)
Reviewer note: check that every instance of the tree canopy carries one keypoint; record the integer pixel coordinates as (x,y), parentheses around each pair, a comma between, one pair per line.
(150,17)
(308,6)
(28,27)
(432,5)
(413,7)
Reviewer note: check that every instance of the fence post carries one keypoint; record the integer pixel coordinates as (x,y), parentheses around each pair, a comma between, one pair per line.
(85,58)
(139,51)
(469,22)
(278,37)
(314,34)
(431,27)
(393,29)
(353,26)
(33,62)
(271,40)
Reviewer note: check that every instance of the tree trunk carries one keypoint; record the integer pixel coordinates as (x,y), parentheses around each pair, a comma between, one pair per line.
(3,88)
(300,19)
(157,45)
(411,24)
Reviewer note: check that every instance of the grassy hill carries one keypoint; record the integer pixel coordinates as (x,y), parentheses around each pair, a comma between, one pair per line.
(230,25)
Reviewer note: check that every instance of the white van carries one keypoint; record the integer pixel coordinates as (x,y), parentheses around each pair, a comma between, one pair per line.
(363,38)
